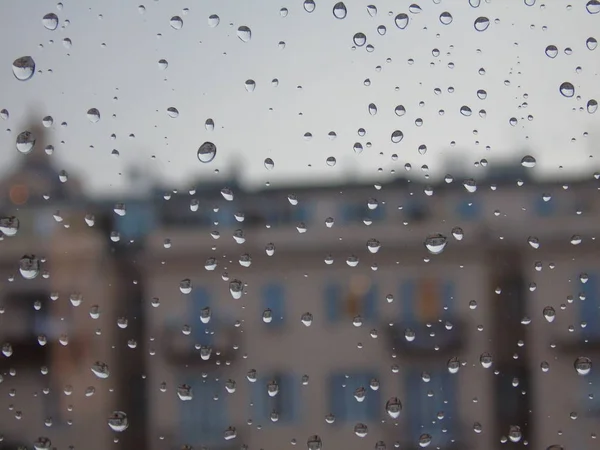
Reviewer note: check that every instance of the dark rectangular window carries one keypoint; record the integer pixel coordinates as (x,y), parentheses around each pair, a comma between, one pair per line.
(343,403)
(286,403)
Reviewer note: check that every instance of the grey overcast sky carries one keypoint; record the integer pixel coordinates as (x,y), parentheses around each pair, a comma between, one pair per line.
(112,65)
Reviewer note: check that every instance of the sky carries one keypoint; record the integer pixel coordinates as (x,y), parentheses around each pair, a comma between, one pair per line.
(113,65)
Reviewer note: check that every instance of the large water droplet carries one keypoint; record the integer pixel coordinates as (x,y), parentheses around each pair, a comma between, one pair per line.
(436,243)
(465,111)
(475,3)
(486,360)
(100,369)
(359,39)
(393,407)
(397,136)
(23,68)
(176,22)
(567,89)
(549,313)
(414,9)
(25,142)
(583,365)
(551,51)
(401,20)
(533,242)
(50,21)
(446,18)
(528,161)
(592,106)
(236,288)
(339,10)
(118,421)
(9,225)
(424,440)
(172,112)
(207,152)
(593,6)
(244,33)
(591,43)
(93,115)
(372,10)
(213,20)
(481,23)
(269,164)
(361,430)
(309,6)
(314,443)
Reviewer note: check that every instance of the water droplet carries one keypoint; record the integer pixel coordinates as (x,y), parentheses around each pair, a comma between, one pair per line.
(269,164)
(118,421)
(583,365)
(401,21)
(446,18)
(331,161)
(29,266)
(529,2)
(176,22)
(567,89)
(50,21)
(481,23)
(244,33)
(591,43)
(533,242)
(453,365)
(474,3)
(381,29)
(458,233)
(42,443)
(465,111)
(372,109)
(172,112)
(414,9)
(213,20)
(339,10)
(309,6)
(209,125)
(307,319)
(67,43)
(314,443)
(250,85)
(25,142)
(23,68)
(424,440)
(100,369)
(528,161)
(236,288)
(397,136)
(514,433)
(486,360)
(470,185)
(93,115)
(373,245)
(592,106)
(593,6)
(551,51)
(393,407)
(436,243)
(361,430)
(359,39)
(549,313)
(207,152)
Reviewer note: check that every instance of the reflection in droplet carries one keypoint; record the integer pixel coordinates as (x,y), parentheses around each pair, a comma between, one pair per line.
(309,6)
(551,51)
(397,136)
(339,10)
(207,152)
(446,18)
(593,6)
(50,21)
(583,365)
(393,407)
(359,39)
(118,421)
(436,243)
(481,23)
(401,21)
(372,10)
(213,20)
(25,142)
(567,89)
(23,68)
(591,43)
(244,33)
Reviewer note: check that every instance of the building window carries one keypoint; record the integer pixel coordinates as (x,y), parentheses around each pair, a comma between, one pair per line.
(544,208)
(591,394)
(285,404)
(426,300)
(201,332)
(588,309)
(203,419)
(468,210)
(359,299)
(428,401)
(343,403)
(355,213)
(274,299)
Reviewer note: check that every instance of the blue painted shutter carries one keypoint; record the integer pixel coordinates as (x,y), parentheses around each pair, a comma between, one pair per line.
(286,402)
(333,302)
(203,419)
(369,309)
(415,397)
(274,299)
(337,398)
(200,331)
(591,385)
(542,208)
(448,300)
(407,302)
(588,311)
(449,393)
(468,209)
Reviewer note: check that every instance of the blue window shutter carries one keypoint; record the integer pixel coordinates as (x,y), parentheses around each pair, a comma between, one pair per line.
(333,302)
(589,311)
(468,209)
(274,299)
(337,401)
(407,301)
(450,395)
(200,331)
(260,409)
(373,400)
(448,299)
(203,419)
(369,309)
(542,208)
(289,400)
(415,396)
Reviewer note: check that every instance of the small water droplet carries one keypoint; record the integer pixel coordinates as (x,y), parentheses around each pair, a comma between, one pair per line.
(533,242)
(23,68)
(359,39)
(118,421)
(314,443)
(361,430)
(100,369)
(207,152)
(397,136)
(465,111)
(244,33)
(453,365)
(486,360)
(50,21)
(172,112)
(236,288)
(567,89)
(331,161)
(209,124)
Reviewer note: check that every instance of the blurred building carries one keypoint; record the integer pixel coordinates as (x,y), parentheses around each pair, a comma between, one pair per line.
(469,304)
